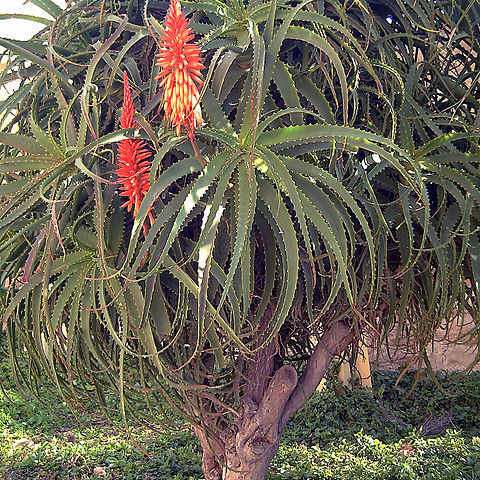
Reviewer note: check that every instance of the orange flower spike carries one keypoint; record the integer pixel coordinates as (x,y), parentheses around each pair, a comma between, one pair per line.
(133,169)
(180,64)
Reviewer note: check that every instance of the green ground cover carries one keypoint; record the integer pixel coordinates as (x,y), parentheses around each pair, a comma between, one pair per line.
(350,435)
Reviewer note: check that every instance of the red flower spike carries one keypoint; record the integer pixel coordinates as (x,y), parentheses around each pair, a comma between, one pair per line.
(180,73)
(126,120)
(133,169)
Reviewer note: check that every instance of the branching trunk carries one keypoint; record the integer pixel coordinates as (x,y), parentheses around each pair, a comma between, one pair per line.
(245,450)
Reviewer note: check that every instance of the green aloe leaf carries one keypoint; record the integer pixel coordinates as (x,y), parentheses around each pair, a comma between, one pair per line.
(278,218)
(21,16)
(302,34)
(22,142)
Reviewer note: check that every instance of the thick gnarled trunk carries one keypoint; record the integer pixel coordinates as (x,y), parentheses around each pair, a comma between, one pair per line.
(254,441)
(245,450)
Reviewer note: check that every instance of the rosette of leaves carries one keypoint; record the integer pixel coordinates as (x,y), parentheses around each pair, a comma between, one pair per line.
(340,195)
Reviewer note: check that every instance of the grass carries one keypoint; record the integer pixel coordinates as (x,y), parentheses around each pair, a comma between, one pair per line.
(352,435)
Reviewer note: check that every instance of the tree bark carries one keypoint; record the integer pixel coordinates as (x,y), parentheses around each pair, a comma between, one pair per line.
(253,442)
(244,451)
(332,343)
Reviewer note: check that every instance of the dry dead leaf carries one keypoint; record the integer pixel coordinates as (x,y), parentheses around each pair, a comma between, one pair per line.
(23,442)
(99,471)
(405,450)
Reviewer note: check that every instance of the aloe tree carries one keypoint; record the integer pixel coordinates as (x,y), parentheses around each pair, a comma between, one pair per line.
(332,189)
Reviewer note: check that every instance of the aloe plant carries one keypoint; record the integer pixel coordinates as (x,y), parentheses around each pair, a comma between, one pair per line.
(332,190)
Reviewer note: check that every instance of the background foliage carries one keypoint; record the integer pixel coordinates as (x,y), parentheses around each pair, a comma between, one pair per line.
(329,438)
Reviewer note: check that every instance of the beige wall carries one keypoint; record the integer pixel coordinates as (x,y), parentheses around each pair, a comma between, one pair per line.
(443,354)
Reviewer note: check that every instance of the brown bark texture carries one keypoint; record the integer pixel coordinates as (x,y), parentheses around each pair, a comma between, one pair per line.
(244,451)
